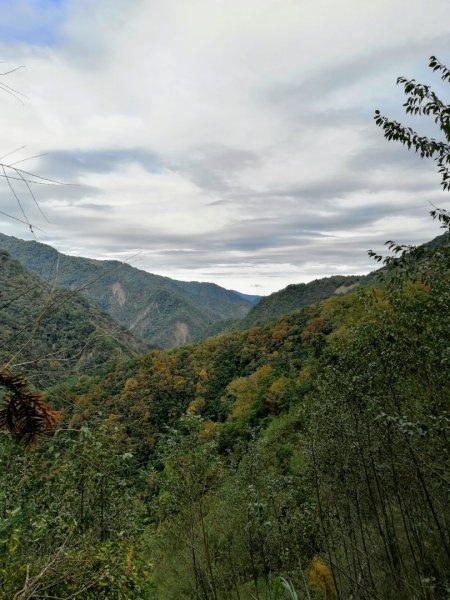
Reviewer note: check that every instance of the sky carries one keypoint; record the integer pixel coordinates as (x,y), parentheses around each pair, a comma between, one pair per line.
(229,141)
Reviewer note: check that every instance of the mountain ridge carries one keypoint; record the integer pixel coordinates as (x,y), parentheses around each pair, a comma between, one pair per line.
(296,296)
(169,313)
(48,333)
(163,311)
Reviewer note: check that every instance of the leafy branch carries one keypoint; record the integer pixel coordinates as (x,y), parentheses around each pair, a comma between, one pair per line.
(25,414)
(423,101)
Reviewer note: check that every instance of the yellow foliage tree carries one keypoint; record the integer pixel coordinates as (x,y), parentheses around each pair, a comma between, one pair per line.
(196,406)
(274,395)
(320,578)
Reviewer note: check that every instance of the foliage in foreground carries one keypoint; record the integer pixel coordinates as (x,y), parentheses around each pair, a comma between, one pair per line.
(315,449)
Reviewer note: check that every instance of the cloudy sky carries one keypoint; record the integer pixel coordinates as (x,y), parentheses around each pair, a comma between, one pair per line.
(229,141)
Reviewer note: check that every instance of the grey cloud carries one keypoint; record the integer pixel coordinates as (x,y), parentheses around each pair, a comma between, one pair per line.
(270,239)
(68,164)
(210,166)
(97,207)
(294,234)
(300,98)
(294,220)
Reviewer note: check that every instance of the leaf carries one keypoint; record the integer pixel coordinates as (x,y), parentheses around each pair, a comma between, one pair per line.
(25,413)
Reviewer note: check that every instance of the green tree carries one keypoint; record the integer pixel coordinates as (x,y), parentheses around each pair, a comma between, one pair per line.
(422,100)
(379,425)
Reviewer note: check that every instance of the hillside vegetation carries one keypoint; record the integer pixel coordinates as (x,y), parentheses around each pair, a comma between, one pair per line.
(48,333)
(297,296)
(160,310)
(314,448)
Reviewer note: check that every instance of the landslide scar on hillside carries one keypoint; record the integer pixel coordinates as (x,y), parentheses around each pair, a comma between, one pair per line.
(119,293)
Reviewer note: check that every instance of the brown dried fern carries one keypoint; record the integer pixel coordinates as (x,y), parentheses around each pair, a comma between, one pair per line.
(24,413)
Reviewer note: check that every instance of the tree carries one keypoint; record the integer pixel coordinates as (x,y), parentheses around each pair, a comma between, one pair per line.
(379,428)
(422,100)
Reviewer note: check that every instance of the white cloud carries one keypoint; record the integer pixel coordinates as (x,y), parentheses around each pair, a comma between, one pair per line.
(259,113)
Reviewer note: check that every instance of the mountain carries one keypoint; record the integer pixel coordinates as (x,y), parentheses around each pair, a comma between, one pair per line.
(438,242)
(252,298)
(296,296)
(163,311)
(292,298)
(48,333)
(169,313)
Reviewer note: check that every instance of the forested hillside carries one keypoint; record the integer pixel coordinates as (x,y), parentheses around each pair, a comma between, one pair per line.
(296,296)
(49,333)
(313,449)
(162,311)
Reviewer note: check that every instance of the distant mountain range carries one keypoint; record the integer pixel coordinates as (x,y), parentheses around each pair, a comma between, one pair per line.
(292,298)
(297,296)
(49,333)
(160,310)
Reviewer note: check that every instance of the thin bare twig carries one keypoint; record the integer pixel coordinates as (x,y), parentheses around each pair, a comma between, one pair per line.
(12,152)
(28,158)
(13,191)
